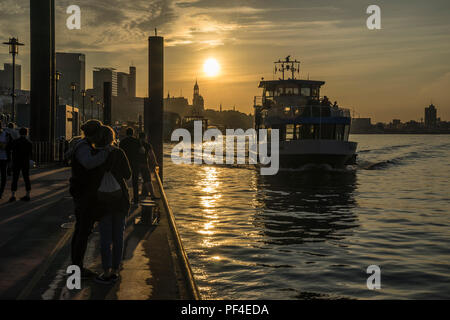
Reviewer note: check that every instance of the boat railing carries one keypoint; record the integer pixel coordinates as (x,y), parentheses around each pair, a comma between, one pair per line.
(258,101)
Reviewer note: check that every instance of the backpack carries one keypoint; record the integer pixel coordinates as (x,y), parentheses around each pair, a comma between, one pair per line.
(109,189)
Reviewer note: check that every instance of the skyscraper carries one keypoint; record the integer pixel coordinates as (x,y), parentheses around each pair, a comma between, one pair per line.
(102,75)
(72,67)
(132,82)
(123,83)
(6,77)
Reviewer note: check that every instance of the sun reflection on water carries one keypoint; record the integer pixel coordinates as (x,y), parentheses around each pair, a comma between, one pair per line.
(209,185)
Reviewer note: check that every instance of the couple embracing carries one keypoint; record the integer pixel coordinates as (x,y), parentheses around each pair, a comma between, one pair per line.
(98,185)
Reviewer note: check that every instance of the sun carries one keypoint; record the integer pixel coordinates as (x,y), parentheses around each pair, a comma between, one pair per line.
(211,67)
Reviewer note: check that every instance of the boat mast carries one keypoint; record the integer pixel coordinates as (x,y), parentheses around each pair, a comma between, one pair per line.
(287,65)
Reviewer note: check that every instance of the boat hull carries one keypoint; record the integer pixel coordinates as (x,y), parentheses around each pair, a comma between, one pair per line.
(300,153)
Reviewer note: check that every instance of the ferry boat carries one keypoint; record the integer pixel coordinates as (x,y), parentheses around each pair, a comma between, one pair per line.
(312,130)
(188,122)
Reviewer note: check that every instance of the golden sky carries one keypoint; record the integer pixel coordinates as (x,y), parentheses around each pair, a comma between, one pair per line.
(384,74)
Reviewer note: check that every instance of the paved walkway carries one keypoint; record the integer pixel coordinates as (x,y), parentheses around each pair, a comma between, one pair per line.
(35,249)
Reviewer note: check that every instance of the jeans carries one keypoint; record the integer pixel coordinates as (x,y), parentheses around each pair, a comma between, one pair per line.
(144,172)
(112,227)
(3,165)
(26,177)
(83,228)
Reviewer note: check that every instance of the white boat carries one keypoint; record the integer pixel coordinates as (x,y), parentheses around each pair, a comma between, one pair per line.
(312,130)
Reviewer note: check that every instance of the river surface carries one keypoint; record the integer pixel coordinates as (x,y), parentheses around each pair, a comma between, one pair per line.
(310,235)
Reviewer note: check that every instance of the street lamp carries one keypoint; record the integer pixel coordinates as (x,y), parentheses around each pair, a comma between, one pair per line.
(14,50)
(92,107)
(57,78)
(55,120)
(83,94)
(73,87)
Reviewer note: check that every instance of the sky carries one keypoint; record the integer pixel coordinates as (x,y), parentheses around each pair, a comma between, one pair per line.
(391,73)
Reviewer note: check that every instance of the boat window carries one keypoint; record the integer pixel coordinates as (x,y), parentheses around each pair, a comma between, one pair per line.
(296,91)
(289,132)
(346,132)
(297,132)
(305,92)
(315,92)
(304,131)
(289,90)
(280,91)
(340,132)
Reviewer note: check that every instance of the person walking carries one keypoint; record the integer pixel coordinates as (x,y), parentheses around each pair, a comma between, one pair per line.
(5,141)
(11,130)
(21,150)
(86,165)
(113,206)
(147,164)
(130,145)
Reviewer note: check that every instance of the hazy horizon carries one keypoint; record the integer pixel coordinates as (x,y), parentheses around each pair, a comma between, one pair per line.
(384,74)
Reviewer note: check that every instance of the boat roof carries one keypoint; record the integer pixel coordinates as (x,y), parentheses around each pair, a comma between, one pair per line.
(274,83)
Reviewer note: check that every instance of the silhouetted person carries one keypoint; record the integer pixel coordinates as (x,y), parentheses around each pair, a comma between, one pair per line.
(147,164)
(21,151)
(131,146)
(113,205)
(325,101)
(86,176)
(5,141)
(14,135)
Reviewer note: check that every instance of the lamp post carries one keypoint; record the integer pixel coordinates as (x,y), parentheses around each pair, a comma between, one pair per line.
(14,50)
(83,94)
(92,107)
(73,87)
(57,78)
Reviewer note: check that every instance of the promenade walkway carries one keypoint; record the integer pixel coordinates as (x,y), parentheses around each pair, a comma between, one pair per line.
(35,249)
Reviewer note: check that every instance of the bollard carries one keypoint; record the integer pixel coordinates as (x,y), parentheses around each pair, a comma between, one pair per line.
(149,212)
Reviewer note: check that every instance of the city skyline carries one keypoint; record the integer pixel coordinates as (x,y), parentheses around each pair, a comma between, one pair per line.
(386,74)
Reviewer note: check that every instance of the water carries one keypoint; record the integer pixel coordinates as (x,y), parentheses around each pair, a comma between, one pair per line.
(308,235)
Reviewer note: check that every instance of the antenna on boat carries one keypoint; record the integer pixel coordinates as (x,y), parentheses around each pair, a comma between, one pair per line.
(287,65)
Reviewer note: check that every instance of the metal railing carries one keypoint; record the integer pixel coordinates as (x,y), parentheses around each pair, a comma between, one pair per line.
(46,152)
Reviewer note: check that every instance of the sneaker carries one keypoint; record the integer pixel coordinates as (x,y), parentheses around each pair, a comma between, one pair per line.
(86,273)
(103,279)
(12,199)
(26,198)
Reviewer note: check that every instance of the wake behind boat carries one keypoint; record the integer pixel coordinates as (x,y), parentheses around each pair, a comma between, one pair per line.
(312,130)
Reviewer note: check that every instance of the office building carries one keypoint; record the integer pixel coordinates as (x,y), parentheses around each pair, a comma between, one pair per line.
(102,75)
(6,77)
(72,67)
